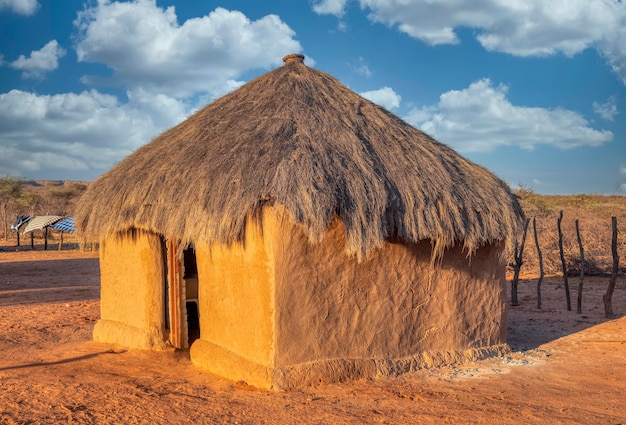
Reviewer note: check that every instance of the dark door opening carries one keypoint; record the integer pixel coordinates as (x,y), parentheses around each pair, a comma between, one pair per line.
(190,276)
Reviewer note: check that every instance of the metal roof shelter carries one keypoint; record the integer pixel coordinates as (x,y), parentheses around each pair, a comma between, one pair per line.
(20,221)
(40,222)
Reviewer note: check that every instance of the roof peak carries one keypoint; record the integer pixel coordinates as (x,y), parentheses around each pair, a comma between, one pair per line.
(293,58)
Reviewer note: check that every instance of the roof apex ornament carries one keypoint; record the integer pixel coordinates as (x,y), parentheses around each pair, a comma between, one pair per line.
(293,58)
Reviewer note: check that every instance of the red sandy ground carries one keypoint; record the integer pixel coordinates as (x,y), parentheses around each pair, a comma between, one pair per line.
(564,368)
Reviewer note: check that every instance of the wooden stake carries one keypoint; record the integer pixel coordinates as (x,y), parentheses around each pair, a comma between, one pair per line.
(579,304)
(519,254)
(608,308)
(541,272)
(563,265)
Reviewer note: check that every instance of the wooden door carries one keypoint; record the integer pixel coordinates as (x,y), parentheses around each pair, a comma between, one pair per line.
(176,298)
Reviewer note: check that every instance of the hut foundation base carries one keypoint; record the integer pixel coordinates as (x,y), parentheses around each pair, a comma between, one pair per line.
(111,331)
(225,363)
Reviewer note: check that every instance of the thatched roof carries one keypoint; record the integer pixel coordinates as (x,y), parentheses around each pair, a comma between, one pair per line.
(298,138)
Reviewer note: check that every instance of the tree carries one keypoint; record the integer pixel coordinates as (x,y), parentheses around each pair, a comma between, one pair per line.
(31,201)
(61,199)
(10,192)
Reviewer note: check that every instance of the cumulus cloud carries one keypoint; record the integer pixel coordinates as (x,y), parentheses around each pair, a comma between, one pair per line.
(78,132)
(145,46)
(40,61)
(607,110)
(480,118)
(385,97)
(622,169)
(169,69)
(21,7)
(520,28)
(330,7)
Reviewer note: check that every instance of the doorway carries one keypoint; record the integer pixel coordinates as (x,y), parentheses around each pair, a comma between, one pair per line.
(190,276)
(182,309)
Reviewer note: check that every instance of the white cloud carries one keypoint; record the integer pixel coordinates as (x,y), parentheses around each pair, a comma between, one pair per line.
(146,47)
(363,69)
(613,47)
(21,7)
(385,97)
(330,7)
(480,118)
(168,69)
(520,28)
(40,61)
(607,110)
(77,132)
(622,169)
(417,116)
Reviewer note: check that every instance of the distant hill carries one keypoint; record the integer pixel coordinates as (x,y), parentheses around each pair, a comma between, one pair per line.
(50,197)
(52,183)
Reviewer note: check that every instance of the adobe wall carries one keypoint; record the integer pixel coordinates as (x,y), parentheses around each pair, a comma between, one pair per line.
(132,291)
(339,319)
(236,298)
(279,312)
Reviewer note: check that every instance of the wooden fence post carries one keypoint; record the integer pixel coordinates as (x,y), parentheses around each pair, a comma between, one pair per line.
(579,304)
(608,308)
(519,254)
(563,265)
(541,272)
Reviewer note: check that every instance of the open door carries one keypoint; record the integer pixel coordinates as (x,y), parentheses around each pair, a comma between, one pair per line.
(182,309)
(175,300)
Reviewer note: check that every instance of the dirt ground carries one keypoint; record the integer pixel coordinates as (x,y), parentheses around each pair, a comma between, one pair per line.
(564,368)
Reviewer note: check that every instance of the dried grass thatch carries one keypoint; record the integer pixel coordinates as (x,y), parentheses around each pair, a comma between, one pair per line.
(298,138)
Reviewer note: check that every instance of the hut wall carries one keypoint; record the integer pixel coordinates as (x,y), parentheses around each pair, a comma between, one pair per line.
(280,312)
(236,298)
(132,291)
(394,312)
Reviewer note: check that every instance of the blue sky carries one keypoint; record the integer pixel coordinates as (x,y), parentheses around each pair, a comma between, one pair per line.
(533,90)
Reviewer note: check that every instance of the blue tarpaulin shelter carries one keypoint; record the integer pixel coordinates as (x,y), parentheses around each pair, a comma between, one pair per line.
(65,225)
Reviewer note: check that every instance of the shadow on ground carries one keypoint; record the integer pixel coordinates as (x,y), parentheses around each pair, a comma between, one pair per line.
(32,282)
(530,327)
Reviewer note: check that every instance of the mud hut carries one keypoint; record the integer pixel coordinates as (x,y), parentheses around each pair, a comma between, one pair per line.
(293,232)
